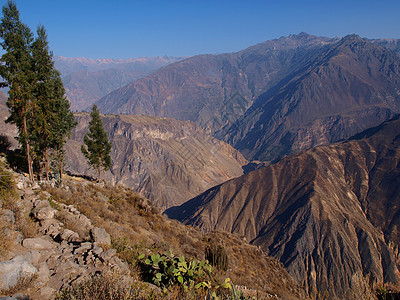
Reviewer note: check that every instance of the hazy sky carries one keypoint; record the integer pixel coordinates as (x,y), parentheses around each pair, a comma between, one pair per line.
(125,29)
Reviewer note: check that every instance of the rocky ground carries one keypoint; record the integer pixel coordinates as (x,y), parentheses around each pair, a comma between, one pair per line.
(58,256)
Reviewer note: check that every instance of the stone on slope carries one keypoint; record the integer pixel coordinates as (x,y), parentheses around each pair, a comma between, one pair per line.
(100,236)
(13,270)
(38,243)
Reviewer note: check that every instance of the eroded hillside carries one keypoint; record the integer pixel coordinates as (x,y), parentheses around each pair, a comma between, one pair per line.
(329,214)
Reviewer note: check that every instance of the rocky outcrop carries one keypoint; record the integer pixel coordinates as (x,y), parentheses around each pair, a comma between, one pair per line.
(329,214)
(59,256)
(168,161)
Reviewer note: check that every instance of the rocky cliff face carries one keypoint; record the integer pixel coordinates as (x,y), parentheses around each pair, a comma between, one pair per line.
(168,161)
(329,214)
(346,88)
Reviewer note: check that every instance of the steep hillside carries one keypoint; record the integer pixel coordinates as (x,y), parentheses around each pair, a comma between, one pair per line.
(167,160)
(329,214)
(82,241)
(277,97)
(214,90)
(350,86)
(87,80)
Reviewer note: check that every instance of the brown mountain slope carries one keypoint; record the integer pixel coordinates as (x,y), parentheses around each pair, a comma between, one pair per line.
(214,90)
(328,214)
(167,160)
(277,97)
(350,86)
(59,233)
(87,80)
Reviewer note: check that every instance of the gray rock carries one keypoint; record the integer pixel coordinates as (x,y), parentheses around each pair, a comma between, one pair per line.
(100,236)
(37,244)
(51,227)
(97,250)
(43,274)
(107,255)
(122,266)
(12,270)
(44,213)
(83,248)
(32,256)
(69,235)
(8,216)
(46,292)
(18,296)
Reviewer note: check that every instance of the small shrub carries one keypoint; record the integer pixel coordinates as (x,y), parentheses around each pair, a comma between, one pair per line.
(107,285)
(217,256)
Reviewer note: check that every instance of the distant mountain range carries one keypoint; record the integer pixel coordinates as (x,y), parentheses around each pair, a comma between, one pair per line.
(329,214)
(277,97)
(87,80)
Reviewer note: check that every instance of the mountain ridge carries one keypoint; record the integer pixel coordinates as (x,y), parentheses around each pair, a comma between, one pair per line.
(246,97)
(327,213)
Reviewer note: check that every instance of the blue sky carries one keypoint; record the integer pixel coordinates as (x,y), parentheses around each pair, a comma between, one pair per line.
(125,29)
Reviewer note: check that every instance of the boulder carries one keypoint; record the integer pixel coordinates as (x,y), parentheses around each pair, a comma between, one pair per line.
(44,213)
(69,235)
(100,236)
(107,255)
(13,270)
(37,244)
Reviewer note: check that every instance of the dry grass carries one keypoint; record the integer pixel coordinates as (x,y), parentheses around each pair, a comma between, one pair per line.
(9,200)
(23,285)
(6,241)
(109,285)
(137,227)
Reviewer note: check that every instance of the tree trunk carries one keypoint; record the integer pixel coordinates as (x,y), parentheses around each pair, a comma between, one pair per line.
(28,156)
(61,169)
(46,163)
(98,178)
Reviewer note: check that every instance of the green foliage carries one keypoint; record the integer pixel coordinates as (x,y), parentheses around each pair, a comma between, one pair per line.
(217,256)
(168,269)
(192,276)
(98,148)
(36,97)
(16,69)
(53,120)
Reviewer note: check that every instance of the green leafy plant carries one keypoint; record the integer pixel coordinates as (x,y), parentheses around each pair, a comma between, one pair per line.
(167,269)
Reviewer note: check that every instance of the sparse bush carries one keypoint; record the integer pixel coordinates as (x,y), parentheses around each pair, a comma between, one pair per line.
(108,285)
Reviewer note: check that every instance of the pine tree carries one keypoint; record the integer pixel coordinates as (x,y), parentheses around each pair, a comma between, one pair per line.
(96,140)
(17,72)
(63,124)
(54,120)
